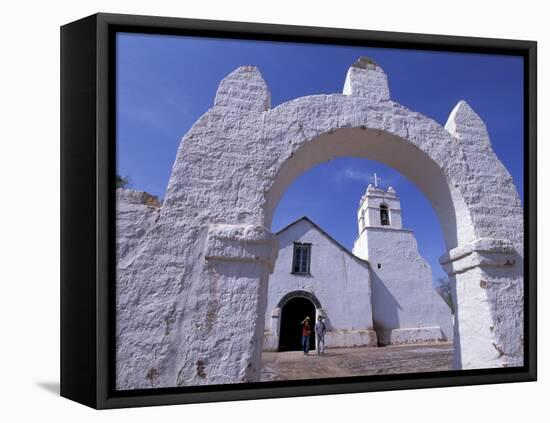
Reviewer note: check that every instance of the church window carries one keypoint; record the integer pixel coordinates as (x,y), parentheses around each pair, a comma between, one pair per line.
(384,215)
(301,258)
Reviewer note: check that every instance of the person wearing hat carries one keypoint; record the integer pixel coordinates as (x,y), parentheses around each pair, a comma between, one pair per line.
(320,330)
(306,332)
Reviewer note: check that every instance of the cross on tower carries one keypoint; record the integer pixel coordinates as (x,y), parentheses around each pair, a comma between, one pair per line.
(375,179)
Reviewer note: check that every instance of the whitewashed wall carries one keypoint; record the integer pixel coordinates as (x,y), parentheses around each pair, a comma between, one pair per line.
(402,293)
(135,215)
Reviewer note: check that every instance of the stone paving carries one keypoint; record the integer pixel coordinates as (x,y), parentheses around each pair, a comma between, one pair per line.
(342,362)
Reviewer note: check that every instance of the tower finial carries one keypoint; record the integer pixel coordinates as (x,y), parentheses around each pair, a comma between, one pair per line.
(375,179)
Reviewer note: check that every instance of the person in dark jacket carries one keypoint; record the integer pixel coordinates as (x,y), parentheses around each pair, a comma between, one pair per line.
(320,329)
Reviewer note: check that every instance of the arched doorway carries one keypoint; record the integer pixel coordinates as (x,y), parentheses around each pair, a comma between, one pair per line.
(293,313)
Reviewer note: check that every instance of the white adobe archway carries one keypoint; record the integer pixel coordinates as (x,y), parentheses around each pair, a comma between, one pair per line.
(195,294)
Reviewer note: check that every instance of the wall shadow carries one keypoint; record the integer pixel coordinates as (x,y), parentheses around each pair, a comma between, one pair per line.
(383,304)
(51,387)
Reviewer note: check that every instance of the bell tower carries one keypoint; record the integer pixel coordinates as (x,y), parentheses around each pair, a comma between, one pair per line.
(378,210)
(405,306)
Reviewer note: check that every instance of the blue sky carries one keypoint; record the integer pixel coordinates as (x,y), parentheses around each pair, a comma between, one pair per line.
(165,83)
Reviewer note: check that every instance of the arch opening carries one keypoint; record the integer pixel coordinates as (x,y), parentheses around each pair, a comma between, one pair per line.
(384,215)
(293,312)
(391,150)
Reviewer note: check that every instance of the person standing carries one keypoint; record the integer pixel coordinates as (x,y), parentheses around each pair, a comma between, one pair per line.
(320,330)
(306,332)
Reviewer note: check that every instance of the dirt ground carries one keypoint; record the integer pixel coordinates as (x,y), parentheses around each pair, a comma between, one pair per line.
(342,362)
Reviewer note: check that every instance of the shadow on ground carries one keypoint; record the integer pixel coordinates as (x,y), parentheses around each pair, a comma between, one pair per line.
(51,387)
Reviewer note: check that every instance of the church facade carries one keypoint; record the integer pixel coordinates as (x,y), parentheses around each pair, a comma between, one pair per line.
(379,294)
(315,276)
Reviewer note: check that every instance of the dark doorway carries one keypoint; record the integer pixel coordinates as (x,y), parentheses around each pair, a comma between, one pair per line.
(293,313)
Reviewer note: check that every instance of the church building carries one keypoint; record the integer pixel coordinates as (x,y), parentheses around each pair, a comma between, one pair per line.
(379,294)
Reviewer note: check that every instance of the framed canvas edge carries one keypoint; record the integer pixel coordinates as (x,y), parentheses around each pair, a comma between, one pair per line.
(106,24)
(78,219)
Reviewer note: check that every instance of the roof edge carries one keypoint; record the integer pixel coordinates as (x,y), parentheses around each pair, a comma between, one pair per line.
(330,238)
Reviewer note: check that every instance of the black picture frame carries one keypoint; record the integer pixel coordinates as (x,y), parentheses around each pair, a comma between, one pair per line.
(87,209)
